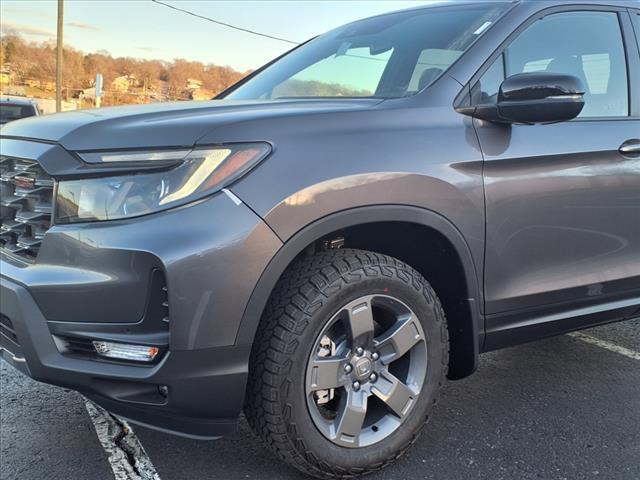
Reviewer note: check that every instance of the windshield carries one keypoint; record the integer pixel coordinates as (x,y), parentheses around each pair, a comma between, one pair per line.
(389,56)
(9,112)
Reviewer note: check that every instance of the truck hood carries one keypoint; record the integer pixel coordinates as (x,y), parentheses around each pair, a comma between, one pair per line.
(163,124)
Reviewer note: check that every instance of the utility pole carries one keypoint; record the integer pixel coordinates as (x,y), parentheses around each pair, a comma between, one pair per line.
(59,57)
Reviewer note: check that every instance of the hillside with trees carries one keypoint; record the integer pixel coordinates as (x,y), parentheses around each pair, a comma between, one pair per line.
(31,66)
(314,88)
(28,68)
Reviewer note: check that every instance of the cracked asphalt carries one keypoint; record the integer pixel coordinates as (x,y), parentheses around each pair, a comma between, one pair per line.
(554,409)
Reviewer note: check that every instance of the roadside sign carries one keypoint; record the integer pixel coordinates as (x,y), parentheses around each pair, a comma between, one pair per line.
(98,85)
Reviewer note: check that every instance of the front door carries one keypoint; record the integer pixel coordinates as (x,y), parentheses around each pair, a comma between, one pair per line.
(563,200)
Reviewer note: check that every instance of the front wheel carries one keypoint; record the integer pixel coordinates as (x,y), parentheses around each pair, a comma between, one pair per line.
(349,360)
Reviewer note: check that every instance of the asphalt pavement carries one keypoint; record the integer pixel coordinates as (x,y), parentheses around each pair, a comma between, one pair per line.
(563,408)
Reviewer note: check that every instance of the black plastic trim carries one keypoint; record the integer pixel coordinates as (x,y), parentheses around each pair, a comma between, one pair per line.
(358,216)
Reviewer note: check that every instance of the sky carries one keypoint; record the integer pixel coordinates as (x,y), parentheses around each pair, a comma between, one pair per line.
(144,29)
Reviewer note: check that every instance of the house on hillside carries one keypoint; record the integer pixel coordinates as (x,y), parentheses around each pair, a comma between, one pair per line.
(195,91)
(122,83)
(201,94)
(5,77)
(7,74)
(87,94)
(41,84)
(193,84)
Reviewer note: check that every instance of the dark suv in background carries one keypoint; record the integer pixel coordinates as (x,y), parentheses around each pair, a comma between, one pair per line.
(337,234)
(15,108)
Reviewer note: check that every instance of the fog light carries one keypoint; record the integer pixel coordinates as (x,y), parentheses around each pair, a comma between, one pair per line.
(123,351)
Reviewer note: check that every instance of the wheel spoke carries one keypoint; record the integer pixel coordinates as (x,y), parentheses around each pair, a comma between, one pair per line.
(351,362)
(348,424)
(398,396)
(398,340)
(361,323)
(326,373)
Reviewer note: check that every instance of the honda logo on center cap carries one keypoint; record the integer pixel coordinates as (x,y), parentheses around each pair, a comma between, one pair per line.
(363,367)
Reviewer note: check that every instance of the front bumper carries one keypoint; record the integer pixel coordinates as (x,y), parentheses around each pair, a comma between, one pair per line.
(206,386)
(93,280)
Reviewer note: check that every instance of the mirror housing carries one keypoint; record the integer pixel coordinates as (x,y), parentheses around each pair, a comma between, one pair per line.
(530,98)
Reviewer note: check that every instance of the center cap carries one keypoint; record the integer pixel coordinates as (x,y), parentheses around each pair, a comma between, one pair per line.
(363,367)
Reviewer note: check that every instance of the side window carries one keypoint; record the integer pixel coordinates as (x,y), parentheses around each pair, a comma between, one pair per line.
(587,45)
(432,62)
(485,91)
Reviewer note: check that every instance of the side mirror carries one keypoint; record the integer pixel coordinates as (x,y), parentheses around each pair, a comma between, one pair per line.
(536,97)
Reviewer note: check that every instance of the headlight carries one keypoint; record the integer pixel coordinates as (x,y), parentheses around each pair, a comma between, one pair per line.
(201,172)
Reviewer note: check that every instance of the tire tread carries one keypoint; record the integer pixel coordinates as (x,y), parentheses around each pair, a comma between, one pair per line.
(298,294)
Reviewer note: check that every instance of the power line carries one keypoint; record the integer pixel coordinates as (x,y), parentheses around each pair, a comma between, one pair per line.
(246,30)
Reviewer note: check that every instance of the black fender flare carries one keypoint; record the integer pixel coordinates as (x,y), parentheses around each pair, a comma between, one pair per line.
(293,246)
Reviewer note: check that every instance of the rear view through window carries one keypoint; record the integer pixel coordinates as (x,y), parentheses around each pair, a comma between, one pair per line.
(389,56)
(10,112)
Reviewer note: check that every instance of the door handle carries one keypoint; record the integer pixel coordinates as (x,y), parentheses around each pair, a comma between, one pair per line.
(630,148)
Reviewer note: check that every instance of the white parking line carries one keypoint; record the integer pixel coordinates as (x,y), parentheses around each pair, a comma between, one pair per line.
(125,453)
(612,347)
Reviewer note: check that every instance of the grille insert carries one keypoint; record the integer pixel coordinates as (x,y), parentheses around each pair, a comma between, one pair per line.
(9,339)
(82,346)
(6,329)
(26,196)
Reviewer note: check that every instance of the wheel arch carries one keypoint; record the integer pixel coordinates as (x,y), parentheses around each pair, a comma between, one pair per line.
(466,326)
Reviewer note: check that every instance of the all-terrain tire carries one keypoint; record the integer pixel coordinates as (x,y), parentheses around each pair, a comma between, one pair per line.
(305,298)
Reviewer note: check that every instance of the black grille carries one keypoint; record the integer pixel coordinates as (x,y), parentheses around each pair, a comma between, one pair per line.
(26,196)
(8,338)
(6,329)
(9,342)
(83,346)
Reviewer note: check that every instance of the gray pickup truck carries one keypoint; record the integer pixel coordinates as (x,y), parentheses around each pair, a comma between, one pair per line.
(337,234)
